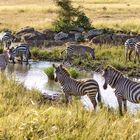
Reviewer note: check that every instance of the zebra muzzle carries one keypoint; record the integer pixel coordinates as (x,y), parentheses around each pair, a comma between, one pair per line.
(105,85)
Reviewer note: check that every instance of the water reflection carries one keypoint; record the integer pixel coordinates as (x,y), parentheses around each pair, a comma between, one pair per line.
(33,77)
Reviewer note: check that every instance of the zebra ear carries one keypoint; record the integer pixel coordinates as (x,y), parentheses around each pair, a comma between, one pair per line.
(54,66)
(61,66)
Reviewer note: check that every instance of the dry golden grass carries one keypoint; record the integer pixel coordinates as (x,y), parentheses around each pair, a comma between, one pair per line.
(40,14)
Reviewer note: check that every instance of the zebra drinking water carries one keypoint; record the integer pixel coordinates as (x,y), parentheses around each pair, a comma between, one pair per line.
(125,89)
(74,87)
(21,50)
(80,50)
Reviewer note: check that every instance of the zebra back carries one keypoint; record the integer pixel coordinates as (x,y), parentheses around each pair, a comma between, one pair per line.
(80,49)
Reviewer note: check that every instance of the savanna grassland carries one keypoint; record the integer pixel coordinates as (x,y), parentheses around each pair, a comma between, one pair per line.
(25,115)
(116,14)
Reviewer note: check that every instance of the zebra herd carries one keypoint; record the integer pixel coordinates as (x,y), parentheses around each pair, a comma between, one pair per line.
(15,49)
(125,89)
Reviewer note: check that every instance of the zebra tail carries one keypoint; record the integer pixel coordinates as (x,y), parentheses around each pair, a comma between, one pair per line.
(99,96)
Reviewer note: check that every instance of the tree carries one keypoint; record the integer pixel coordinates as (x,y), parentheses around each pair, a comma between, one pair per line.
(70,17)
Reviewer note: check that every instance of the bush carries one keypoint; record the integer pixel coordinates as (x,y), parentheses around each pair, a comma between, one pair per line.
(49,72)
(70,17)
(73,72)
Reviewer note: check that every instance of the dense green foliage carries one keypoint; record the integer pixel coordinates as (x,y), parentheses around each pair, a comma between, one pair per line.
(49,72)
(70,17)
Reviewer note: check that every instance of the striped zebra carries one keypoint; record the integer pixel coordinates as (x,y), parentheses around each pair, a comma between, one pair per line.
(125,89)
(137,52)
(6,36)
(74,87)
(20,50)
(80,50)
(130,47)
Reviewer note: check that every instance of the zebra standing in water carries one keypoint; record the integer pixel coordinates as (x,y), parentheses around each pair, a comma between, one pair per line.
(130,46)
(19,50)
(74,87)
(80,50)
(125,89)
(137,52)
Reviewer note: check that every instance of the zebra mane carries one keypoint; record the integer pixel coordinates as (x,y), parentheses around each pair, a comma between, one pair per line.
(64,70)
(112,68)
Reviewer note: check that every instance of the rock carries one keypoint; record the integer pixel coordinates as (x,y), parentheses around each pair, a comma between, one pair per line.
(25,30)
(78,29)
(52,97)
(30,36)
(93,32)
(115,39)
(60,36)
(49,34)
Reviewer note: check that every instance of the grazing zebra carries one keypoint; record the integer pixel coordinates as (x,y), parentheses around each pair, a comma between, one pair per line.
(137,52)
(74,87)
(80,50)
(6,36)
(21,50)
(130,47)
(125,89)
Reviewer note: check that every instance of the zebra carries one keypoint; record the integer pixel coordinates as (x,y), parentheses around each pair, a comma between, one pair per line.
(125,89)
(71,86)
(20,50)
(80,50)
(137,52)
(130,46)
(6,36)
(4,59)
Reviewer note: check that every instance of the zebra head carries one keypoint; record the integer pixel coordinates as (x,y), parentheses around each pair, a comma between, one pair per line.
(111,76)
(60,73)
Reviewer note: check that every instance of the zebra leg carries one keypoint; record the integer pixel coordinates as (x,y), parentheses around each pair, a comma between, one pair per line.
(120,105)
(67,98)
(93,100)
(21,57)
(130,54)
(126,54)
(125,105)
(13,60)
(135,55)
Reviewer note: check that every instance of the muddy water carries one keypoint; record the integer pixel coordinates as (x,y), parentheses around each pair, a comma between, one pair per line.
(33,77)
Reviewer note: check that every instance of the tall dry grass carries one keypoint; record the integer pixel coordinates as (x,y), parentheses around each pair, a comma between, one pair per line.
(25,115)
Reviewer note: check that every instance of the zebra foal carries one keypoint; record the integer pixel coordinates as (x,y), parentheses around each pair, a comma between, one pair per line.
(74,87)
(80,50)
(125,89)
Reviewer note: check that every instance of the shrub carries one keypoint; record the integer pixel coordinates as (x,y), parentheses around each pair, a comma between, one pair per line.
(49,72)
(73,72)
(70,17)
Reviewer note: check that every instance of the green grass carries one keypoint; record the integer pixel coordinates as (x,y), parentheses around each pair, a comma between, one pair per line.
(49,72)
(25,115)
(105,55)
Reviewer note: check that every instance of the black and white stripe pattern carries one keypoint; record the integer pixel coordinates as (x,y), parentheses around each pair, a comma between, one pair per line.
(80,50)
(125,89)
(20,50)
(6,36)
(130,47)
(74,87)
(137,52)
